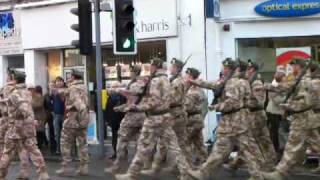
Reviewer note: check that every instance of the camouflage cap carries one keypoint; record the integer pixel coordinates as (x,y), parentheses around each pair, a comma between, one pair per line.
(135,69)
(177,62)
(252,64)
(228,62)
(242,65)
(16,74)
(193,72)
(299,61)
(157,62)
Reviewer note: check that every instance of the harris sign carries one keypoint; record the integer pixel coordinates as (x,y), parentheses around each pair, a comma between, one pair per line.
(288,8)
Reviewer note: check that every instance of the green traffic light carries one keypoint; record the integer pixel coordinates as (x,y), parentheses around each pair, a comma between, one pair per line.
(128,43)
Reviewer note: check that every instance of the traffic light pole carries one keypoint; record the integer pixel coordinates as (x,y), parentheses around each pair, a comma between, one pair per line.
(99,78)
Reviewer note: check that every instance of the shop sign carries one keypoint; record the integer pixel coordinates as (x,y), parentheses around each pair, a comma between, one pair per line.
(288,8)
(10,33)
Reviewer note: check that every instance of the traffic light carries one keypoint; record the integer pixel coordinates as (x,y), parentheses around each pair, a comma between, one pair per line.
(124,40)
(84,27)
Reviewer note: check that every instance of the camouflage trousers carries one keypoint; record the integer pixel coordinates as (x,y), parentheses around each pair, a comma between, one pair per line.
(147,141)
(28,147)
(126,134)
(68,137)
(297,143)
(196,143)
(180,129)
(224,146)
(263,140)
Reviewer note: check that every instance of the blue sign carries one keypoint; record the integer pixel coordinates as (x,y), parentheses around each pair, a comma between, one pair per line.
(288,8)
(6,24)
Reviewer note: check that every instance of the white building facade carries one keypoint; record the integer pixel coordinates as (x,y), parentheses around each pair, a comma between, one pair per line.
(268,31)
(166,28)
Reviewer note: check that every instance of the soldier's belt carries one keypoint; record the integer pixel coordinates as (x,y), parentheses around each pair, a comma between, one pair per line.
(316,111)
(297,112)
(194,113)
(231,112)
(175,106)
(156,113)
(256,109)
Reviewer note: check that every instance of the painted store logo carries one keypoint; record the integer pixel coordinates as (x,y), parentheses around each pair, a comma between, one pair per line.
(288,8)
(7,25)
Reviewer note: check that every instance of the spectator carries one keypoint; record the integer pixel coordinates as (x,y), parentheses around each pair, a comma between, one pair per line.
(58,113)
(274,112)
(114,118)
(39,115)
(48,106)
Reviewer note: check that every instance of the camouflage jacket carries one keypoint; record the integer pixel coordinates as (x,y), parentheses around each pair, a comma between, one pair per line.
(133,119)
(232,105)
(134,89)
(157,98)
(4,120)
(314,95)
(299,104)
(177,95)
(77,105)
(256,101)
(194,101)
(21,115)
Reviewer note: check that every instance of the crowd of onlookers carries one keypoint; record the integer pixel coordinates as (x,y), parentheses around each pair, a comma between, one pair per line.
(49,111)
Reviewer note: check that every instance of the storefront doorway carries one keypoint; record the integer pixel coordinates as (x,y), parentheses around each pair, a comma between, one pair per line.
(277,51)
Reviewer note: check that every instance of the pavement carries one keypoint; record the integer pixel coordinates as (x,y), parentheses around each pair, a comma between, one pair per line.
(97,166)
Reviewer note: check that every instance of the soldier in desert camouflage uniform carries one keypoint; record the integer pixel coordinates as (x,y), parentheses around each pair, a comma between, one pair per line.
(178,118)
(303,106)
(234,127)
(4,120)
(194,103)
(21,133)
(157,125)
(258,120)
(75,125)
(132,123)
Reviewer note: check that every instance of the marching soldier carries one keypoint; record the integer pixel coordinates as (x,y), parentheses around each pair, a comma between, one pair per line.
(302,107)
(157,125)
(178,118)
(21,132)
(258,116)
(132,123)
(4,124)
(257,120)
(194,101)
(75,125)
(234,127)
(314,87)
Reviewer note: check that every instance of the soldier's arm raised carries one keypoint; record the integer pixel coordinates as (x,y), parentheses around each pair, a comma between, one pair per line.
(207,84)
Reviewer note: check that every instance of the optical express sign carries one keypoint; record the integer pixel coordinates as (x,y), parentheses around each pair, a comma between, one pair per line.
(288,8)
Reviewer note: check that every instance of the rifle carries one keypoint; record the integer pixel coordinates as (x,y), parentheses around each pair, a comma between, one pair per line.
(293,88)
(217,93)
(144,91)
(180,70)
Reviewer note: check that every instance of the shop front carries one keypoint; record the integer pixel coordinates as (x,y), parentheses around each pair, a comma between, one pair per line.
(11,53)
(270,32)
(52,36)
